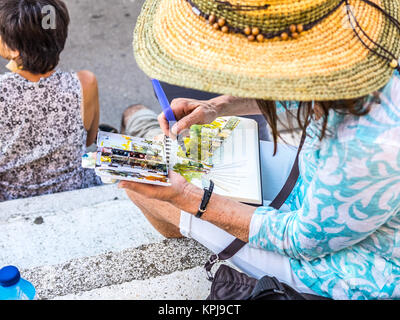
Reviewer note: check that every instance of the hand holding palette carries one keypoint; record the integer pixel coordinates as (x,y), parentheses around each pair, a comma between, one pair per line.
(121,157)
(226,151)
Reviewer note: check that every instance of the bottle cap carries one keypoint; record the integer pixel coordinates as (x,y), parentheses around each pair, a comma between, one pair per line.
(9,276)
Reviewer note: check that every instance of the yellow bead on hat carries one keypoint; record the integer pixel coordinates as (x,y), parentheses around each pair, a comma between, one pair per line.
(394,64)
(229,17)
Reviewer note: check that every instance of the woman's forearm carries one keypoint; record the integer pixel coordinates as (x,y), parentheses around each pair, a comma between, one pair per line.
(230,216)
(233,106)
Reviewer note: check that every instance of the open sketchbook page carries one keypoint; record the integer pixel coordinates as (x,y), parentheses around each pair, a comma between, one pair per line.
(226,151)
(235,164)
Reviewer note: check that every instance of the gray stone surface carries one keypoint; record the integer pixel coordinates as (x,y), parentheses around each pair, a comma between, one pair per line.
(182,285)
(96,244)
(26,208)
(116,268)
(53,229)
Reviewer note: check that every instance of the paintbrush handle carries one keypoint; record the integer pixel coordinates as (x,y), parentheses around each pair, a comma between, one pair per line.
(162,98)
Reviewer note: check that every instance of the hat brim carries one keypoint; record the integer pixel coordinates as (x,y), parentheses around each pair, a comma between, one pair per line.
(328,62)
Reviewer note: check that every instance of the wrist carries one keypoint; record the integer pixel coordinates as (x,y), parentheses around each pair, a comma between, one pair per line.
(208,192)
(227,106)
(189,199)
(221,105)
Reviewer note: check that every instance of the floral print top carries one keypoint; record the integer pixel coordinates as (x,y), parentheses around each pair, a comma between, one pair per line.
(42,137)
(342,233)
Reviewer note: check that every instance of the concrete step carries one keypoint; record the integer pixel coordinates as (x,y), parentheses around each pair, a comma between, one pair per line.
(152,268)
(181,285)
(96,244)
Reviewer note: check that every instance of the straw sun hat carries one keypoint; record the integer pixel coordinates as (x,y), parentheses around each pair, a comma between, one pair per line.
(299,50)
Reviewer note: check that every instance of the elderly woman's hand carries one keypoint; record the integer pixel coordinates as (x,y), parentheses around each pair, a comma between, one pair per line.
(174,194)
(188,112)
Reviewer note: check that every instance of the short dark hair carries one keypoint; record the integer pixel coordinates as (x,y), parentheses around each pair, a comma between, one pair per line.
(22,28)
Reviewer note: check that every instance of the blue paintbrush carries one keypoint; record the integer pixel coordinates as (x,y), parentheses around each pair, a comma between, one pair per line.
(166,107)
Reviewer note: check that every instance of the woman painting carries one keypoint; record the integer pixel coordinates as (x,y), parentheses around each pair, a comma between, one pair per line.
(334,66)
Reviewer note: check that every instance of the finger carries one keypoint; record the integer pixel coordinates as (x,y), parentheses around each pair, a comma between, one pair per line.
(196,117)
(123,185)
(133,186)
(176,178)
(147,190)
(180,107)
(164,124)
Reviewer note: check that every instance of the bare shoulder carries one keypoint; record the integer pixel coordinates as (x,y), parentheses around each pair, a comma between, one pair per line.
(89,87)
(88,79)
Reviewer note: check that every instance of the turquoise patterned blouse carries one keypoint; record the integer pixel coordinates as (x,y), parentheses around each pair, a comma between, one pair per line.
(342,234)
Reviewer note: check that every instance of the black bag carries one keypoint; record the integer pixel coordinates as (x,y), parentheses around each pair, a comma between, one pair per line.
(230,284)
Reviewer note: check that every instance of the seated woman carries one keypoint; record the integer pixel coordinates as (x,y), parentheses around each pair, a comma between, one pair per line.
(47,117)
(339,236)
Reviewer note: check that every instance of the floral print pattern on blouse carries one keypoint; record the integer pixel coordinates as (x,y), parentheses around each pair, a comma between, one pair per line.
(42,136)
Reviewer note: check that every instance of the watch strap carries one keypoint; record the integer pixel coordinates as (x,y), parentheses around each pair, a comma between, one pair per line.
(206,200)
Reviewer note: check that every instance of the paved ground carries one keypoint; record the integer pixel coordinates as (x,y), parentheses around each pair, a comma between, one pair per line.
(95,244)
(100,40)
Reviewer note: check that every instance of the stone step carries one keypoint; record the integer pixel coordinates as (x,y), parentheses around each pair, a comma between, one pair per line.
(128,270)
(53,229)
(92,242)
(181,285)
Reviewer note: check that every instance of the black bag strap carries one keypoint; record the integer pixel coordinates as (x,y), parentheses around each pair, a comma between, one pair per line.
(279,201)
(291,181)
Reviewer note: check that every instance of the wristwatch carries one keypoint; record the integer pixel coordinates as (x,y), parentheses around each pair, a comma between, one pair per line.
(206,200)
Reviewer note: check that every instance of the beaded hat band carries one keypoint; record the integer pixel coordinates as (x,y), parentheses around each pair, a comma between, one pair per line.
(229,17)
(271,49)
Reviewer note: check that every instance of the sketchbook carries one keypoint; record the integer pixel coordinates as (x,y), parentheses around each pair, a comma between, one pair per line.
(226,152)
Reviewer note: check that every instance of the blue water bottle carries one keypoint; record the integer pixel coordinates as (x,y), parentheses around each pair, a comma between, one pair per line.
(13,287)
